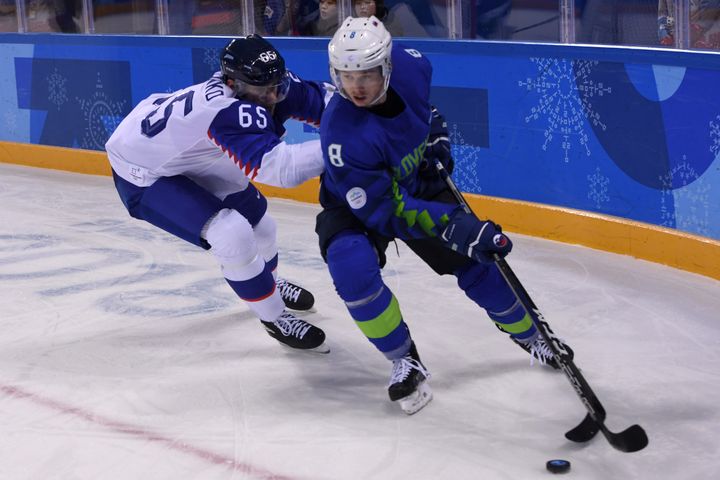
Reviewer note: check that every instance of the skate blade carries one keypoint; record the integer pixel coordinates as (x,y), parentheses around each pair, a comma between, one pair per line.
(322,349)
(414,402)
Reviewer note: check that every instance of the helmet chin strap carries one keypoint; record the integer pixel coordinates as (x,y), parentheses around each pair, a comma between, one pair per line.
(377,100)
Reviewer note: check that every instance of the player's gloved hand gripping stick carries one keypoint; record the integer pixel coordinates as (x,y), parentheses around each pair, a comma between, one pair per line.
(631,439)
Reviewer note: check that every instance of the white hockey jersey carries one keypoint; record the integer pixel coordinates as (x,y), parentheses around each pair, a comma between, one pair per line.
(204,133)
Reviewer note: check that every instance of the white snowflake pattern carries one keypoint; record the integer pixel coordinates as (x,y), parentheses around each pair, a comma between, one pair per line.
(694,216)
(467,159)
(102,116)
(57,93)
(211,58)
(715,136)
(565,91)
(11,124)
(598,188)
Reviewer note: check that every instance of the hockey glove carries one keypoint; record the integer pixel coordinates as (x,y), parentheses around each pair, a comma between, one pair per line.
(475,238)
(438,145)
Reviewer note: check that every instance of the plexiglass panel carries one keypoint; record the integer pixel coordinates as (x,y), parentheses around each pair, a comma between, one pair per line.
(8,16)
(511,20)
(53,15)
(618,22)
(319,18)
(211,17)
(125,16)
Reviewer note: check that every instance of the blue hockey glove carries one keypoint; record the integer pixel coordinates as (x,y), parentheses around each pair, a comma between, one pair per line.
(438,145)
(475,238)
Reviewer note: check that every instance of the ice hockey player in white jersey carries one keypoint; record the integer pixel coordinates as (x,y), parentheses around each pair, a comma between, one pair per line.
(183,162)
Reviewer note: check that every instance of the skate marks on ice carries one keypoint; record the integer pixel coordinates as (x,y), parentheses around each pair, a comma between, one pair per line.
(134,337)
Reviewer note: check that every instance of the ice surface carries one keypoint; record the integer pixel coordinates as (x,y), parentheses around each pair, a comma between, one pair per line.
(124,355)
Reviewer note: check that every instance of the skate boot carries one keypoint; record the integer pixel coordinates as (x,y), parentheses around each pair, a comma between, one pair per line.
(294,296)
(296,333)
(540,351)
(408,385)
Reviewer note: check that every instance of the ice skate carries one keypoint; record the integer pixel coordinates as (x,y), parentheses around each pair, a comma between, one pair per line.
(408,382)
(294,296)
(540,351)
(296,333)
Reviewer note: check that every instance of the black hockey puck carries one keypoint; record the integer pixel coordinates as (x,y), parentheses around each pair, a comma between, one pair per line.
(558,466)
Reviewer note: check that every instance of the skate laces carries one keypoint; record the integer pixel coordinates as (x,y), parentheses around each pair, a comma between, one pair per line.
(402,368)
(290,325)
(288,290)
(540,351)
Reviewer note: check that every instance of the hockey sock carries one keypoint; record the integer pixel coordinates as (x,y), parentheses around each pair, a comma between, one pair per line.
(260,294)
(484,284)
(232,242)
(353,265)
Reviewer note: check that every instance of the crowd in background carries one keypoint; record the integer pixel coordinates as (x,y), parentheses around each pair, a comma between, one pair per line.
(606,22)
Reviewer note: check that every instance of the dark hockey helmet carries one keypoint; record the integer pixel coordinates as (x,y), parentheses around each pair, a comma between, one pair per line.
(251,62)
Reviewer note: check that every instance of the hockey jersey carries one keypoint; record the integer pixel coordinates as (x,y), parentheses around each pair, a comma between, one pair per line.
(372,162)
(204,133)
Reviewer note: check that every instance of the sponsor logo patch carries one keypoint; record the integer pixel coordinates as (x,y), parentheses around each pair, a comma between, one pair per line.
(356,197)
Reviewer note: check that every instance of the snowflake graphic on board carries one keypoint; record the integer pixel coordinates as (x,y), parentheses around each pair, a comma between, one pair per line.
(102,116)
(563,105)
(715,135)
(695,200)
(211,58)
(598,188)
(11,123)
(467,161)
(57,93)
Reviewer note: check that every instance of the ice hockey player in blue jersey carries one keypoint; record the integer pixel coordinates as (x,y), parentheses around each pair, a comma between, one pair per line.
(183,162)
(380,139)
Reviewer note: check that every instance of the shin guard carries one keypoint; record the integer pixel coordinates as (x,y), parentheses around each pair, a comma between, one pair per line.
(354,268)
(485,285)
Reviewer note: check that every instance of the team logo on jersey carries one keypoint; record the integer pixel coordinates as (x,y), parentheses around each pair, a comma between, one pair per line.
(356,197)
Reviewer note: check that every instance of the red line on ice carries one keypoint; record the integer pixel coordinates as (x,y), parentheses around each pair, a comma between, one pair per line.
(142,433)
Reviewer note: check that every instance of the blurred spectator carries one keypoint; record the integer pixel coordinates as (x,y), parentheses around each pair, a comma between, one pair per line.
(64,16)
(666,22)
(180,16)
(490,19)
(298,16)
(704,23)
(271,17)
(327,21)
(400,20)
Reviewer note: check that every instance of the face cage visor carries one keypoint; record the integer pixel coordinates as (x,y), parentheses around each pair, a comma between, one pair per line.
(263,94)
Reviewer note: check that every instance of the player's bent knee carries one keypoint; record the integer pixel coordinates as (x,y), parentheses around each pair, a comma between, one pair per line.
(353,266)
(266,233)
(266,229)
(231,238)
(485,285)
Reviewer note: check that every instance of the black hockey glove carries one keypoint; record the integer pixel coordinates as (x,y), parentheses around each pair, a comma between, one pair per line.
(438,145)
(475,238)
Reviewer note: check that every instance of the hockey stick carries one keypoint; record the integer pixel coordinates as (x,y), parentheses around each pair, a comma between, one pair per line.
(631,439)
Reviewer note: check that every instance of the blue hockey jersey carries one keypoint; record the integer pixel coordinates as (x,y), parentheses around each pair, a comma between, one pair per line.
(372,162)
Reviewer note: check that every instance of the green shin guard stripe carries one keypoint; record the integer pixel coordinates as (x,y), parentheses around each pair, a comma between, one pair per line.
(384,324)
(520,326)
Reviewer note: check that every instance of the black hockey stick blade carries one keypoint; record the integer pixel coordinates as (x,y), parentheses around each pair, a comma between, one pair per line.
(584,432)
(629,440)
(632,439)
